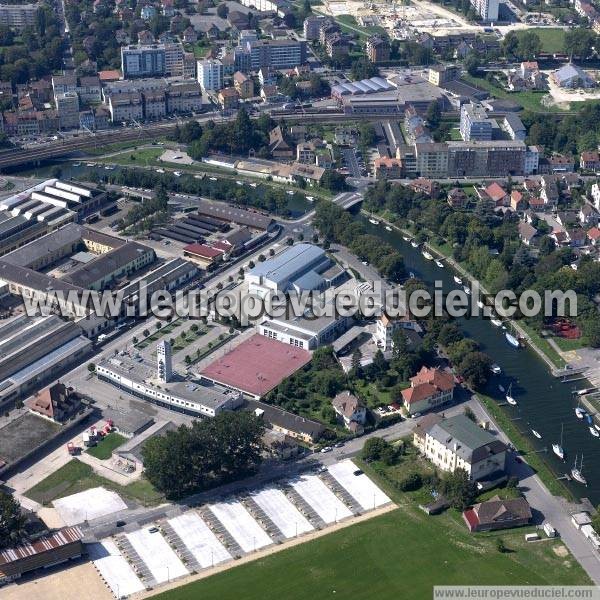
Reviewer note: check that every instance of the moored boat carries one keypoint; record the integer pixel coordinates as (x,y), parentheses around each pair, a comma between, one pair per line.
(457,280)
(512,340)
(427,255)
(537,435)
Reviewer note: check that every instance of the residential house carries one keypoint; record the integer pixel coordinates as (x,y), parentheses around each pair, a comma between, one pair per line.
(422,185)
(378,49)
(189,35)
(57,403)
(590,161)
(387,168)
(549,192)
(497,194)
(577,237)
(588,215)
(385,328)
(429,388)
(278,146)
(244,85)
(562,164)
(498,514)
(518,202)
(350,410)
(269,93)
(228,98)
(593,235)
(527,233)
(595,193)
(457,198)
(459,443)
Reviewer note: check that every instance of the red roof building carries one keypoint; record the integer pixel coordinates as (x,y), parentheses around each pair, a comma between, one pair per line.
(203,254)
(428,389)
(594,235)
(497,193)
(257,365)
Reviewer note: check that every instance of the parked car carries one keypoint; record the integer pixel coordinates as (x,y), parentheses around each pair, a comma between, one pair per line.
(326,449)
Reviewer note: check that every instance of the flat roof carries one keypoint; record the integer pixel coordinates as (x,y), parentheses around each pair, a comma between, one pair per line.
(228,213)
(257,365)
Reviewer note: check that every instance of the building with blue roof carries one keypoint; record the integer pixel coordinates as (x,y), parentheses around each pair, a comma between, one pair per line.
(302,267)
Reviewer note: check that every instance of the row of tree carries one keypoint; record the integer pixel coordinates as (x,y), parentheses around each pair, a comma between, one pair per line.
(336,225)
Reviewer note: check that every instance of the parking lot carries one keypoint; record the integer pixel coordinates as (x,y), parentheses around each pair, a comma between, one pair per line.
(213,534)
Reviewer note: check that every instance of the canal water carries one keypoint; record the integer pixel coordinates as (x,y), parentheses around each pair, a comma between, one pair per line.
(544,403)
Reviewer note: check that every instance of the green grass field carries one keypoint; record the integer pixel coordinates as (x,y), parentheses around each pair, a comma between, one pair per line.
(106,445)
(553,39)
(76,477)
(399,555)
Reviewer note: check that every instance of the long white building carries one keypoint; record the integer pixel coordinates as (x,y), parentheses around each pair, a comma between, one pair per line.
(210,74)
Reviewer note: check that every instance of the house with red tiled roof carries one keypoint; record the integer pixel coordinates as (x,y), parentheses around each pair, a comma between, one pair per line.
(498,514)
(429,388)
(589,160)
(57,403)
(518,202)
(498,194)
(593,235)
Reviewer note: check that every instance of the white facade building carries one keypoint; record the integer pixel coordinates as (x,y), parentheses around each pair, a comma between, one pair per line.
(210,74)
(164,361)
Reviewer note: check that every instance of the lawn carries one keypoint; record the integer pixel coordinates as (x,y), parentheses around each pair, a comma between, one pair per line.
(401,554)
(567,345)
(528,100)
(553,39)
(349,23)
(75,477)
(106,445)
(544,345)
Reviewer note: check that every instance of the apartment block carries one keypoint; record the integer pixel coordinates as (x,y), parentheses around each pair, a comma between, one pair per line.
(474,123)
(498,158)
(277,54)
(210,74)
(143,61)
(18,16)
(67,107)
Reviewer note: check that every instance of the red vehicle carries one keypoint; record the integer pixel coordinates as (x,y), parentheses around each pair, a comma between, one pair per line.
(72,449)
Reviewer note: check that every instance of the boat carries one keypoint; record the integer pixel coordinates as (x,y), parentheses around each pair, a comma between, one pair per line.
(501,388)
(388,228)
(496,370)
(405,238)
(160,170)
(439,263)
(457,280)
(597,426)
(577,471)
(89,164)
(585,391)
(109,167)
(467,290)
(480,304)
(594,432)
(509,397)
(427,255)
(558,448)
(374,221)
(414,244)
(512,340)
(496,322)
(537,435)
(77,164)
(580,412)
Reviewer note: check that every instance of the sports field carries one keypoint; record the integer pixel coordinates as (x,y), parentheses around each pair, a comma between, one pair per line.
(398,555)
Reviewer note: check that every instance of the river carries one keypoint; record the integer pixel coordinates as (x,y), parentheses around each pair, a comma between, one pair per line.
(544,403)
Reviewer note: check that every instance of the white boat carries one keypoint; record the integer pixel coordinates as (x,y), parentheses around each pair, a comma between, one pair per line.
(439,263)
(89,164)
(213,178)
(457,280)
(480,304)
(160,170)
(580,412)
(414,244)
(77,164)
(496,322)
(406,238)
(512,340)
(374,221)
(597,426)
(388,228)
(496,370)
(558,448)
(501,388)
(427,255)
(594,432)
(537,435)
(109,167)
(239,183)
(509,397)
(577,471)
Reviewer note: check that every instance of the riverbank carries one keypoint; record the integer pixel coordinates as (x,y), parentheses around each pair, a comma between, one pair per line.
(521,442)
(555,362)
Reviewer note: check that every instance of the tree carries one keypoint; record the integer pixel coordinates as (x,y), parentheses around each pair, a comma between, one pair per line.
(373,449)
(363,68)
(12,521)
(475,368)
(205,454)
(91,367)
(333,181)
(458,489)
